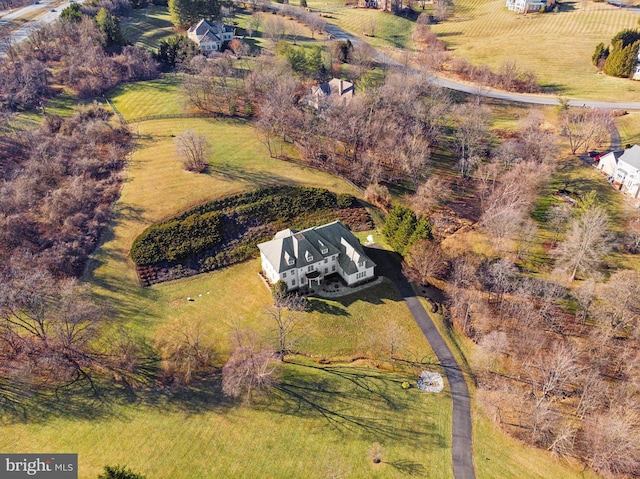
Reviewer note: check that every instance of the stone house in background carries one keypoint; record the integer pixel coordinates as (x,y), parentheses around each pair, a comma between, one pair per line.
(210,35)
(303,258)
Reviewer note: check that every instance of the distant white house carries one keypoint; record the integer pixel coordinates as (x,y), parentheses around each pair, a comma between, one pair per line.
(636,75)
(525,6)
(334,91)
(210,35)
(623,168)
(302,258)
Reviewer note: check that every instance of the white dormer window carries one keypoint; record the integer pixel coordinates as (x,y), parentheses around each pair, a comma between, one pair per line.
(360,264)
(308,256)
(289,259)
(323,247)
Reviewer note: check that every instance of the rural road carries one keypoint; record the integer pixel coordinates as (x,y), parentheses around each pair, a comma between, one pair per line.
(23,32)
(339,34)
(389,265)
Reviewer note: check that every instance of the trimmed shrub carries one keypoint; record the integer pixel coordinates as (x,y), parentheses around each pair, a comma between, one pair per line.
(207,225)
(177,239)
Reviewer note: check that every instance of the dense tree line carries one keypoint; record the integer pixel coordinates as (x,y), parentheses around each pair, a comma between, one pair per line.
(58,183)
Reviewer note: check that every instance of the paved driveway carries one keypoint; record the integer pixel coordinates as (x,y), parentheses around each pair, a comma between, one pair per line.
(389,265)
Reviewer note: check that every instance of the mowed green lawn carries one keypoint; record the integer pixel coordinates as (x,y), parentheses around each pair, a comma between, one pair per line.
(388,30)
(148,98)
(557,47)
(147,26)
(629,128)
(285,437)
(318,418)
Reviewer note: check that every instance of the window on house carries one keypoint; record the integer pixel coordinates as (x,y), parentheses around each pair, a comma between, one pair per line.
(326,270)
(324,250)
(360,264)
(333,257)
(333,268)
(310,268)
(293,282)
(326,261)
(284,275)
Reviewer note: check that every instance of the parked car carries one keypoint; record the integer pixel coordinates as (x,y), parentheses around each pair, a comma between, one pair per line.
(593,154)
(53,9)
(596,159)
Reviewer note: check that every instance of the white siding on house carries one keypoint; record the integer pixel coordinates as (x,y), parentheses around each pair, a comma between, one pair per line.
(608,164)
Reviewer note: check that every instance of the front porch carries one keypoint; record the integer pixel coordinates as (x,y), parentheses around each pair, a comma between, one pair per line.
(333,286)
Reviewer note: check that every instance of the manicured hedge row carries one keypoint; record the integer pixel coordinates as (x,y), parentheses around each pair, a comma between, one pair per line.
(175,239)
(209,224)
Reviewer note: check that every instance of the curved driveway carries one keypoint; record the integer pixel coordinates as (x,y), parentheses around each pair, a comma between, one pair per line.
(389,265)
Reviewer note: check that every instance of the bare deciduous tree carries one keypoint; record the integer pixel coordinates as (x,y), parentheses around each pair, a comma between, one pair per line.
(587,242)
(185,352)
(287,312)
(193,150)
(585,128)
(250,369)
(431,194)
(611,442)
(424,260)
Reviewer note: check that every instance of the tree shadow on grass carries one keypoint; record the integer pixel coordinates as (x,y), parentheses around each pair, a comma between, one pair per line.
(408,467)
(21,402)
(339,395)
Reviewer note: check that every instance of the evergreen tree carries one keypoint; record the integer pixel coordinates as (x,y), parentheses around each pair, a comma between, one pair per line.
(176,49)
(601,53)
(185,13)
(403,229)
(622,60)
(72,13)
(119,472)
(110,27)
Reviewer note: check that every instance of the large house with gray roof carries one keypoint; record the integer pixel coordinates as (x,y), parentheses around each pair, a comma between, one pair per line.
(303,258)
(210,35)
(623,169)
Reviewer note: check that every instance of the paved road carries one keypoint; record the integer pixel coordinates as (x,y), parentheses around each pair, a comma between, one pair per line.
(340,34)
(389,265)
(23,32)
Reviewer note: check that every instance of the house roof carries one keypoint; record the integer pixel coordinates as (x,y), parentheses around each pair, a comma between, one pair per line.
(311,245)
(204,27)
(209,37)
(334,88)
(631,157)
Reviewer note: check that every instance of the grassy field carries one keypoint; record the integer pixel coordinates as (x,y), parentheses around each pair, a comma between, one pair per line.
(557,47)
(629,128)
(153,97)
(146,27)
(285,438)
(317,419)
(388,30)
